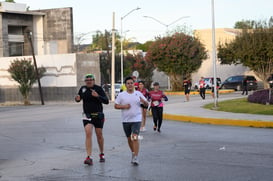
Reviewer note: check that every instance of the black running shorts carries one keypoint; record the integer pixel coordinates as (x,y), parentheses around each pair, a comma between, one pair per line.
(96,119)
(187,91)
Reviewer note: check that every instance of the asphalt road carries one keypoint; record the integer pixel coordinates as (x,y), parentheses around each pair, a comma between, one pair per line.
(46,143)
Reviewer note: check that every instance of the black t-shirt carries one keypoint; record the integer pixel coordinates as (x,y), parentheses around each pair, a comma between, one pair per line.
(187,84)
(92,104)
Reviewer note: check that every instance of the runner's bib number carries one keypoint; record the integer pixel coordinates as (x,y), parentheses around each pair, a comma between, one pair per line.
(155,103)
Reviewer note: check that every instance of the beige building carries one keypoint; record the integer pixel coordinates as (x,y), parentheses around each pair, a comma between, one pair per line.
(222,35)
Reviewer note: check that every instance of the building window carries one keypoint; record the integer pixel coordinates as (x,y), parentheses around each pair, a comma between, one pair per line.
(16,49)
(15,30)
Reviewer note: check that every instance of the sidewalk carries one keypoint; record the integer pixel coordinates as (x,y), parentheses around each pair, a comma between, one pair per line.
(193,112)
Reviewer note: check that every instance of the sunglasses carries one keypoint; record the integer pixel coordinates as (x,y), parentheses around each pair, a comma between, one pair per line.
(89,80)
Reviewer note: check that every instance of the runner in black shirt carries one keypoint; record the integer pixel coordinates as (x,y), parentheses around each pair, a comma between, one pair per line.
(187,88)
(93,96)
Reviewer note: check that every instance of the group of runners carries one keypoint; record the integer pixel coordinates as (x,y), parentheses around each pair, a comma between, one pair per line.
(187,84)
(133,101)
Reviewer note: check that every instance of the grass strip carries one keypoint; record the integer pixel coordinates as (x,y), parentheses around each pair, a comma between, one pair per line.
(242,106)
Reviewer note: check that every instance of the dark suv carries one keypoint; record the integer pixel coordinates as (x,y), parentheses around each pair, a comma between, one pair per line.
(236,82)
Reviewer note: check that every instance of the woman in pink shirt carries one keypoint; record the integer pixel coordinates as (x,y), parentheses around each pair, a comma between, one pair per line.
(156,96)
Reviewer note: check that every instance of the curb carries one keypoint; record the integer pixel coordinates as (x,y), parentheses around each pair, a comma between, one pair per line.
(219,121)
(195,92)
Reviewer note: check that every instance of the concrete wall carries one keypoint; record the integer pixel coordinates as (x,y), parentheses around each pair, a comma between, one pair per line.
(58,30)
(64,75)
(38,35)
(85,66)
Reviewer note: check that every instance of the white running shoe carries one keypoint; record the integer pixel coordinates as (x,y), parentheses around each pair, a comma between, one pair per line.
(135,161)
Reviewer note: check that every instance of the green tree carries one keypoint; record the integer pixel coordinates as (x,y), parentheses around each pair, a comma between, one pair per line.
(244,24)
(145,68)
(10,1)
(177,55)
(145,46)
(23,72)
(253,48)
(103,41)
(128,63)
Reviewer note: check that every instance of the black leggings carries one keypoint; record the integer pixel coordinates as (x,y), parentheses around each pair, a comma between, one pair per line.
(203,93)
(157,116)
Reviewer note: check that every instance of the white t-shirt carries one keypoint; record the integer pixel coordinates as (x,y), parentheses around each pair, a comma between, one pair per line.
(133,114)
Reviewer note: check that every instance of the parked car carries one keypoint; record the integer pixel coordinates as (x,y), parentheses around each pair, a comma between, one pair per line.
(236,82)
(117,89)
(270,80)
(208,83)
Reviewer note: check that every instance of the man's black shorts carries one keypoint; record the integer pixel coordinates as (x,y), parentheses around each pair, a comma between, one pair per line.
(187,91)
(96,119)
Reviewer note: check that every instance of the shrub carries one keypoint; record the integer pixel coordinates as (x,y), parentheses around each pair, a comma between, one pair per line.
(23,72)
(261,97)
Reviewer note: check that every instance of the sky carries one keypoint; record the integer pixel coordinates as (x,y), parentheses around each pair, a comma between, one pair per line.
(90,15)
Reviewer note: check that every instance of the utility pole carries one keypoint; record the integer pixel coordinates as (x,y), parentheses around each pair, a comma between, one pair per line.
(29,34)
(214,56)
(113,61)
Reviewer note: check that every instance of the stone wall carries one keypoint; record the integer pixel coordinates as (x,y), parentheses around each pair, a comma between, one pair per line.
(64,75)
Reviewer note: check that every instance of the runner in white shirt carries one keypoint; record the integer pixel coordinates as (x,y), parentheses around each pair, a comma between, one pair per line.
(129,102)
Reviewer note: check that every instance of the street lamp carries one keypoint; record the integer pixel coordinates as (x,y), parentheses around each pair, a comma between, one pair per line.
(214,55)
(167,26)
(121,43)
(113,60)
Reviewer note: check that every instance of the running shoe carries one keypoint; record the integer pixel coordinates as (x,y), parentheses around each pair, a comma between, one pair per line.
(88,161)
(135,161)
(102,159)
(140,137)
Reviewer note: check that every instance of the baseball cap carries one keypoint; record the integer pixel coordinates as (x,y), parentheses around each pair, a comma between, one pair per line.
(91,76)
